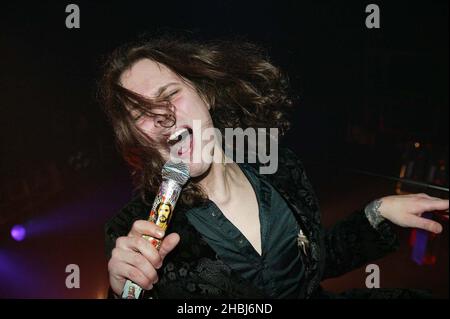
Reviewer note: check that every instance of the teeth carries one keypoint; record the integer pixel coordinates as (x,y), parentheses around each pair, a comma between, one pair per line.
(178,135)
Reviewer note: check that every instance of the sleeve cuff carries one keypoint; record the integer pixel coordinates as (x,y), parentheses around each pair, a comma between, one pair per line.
(373,214)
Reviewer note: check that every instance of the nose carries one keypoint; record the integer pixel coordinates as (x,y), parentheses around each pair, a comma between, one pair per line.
(166,119)
(160,121)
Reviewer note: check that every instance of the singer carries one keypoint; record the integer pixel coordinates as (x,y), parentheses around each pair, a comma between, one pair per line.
(235,233)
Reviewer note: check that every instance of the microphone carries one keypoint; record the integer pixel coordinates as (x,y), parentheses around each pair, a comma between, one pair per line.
(174,176)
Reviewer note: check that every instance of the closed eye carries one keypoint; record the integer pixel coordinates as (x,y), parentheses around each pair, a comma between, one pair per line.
(171,95)
(137,118)
(136,115)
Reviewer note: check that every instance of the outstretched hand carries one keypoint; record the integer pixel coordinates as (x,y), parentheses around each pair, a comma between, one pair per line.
(407,210)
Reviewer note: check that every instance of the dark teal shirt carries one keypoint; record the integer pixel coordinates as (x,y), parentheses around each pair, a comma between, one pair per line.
(278,271)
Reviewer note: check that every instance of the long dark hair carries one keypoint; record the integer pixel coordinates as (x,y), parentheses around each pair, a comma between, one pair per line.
(236,78)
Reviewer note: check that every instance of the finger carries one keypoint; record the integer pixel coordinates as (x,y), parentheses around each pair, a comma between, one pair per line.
(422,195)
(149,251)
(437,198)
(116,281)
(433,205)
(144,227)
(116,284)
(139,261)
(424,223)
(142,246)
(168,244)
(121,271)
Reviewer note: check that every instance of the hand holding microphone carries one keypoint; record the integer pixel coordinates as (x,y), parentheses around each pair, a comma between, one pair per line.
(133,258)
(134,262)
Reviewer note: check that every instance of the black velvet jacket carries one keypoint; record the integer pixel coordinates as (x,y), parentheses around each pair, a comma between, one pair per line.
(193,270)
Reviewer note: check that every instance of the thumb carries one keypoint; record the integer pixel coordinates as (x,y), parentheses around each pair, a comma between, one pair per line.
(168,244)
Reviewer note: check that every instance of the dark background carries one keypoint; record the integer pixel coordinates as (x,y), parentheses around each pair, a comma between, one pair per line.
(366,97)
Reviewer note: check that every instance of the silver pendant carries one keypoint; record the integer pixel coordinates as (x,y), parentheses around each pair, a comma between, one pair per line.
(303,242)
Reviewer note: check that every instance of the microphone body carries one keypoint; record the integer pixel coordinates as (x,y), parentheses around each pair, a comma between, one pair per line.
(174,176)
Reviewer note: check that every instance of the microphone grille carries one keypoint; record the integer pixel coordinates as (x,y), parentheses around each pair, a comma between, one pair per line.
(178,172)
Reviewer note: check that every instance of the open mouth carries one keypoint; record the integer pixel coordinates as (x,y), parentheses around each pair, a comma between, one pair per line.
(181,140)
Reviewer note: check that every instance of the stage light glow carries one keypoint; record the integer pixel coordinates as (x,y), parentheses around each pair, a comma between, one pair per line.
(18,232)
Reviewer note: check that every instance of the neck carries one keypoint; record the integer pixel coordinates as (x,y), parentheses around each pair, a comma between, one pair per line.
(220,179)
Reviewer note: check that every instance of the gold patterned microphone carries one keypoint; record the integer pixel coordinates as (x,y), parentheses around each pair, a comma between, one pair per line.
(174,176)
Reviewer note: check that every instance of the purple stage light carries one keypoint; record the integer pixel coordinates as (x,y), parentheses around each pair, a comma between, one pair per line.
(18,232)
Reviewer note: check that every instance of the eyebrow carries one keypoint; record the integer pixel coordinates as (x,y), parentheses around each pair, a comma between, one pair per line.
(161,90)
